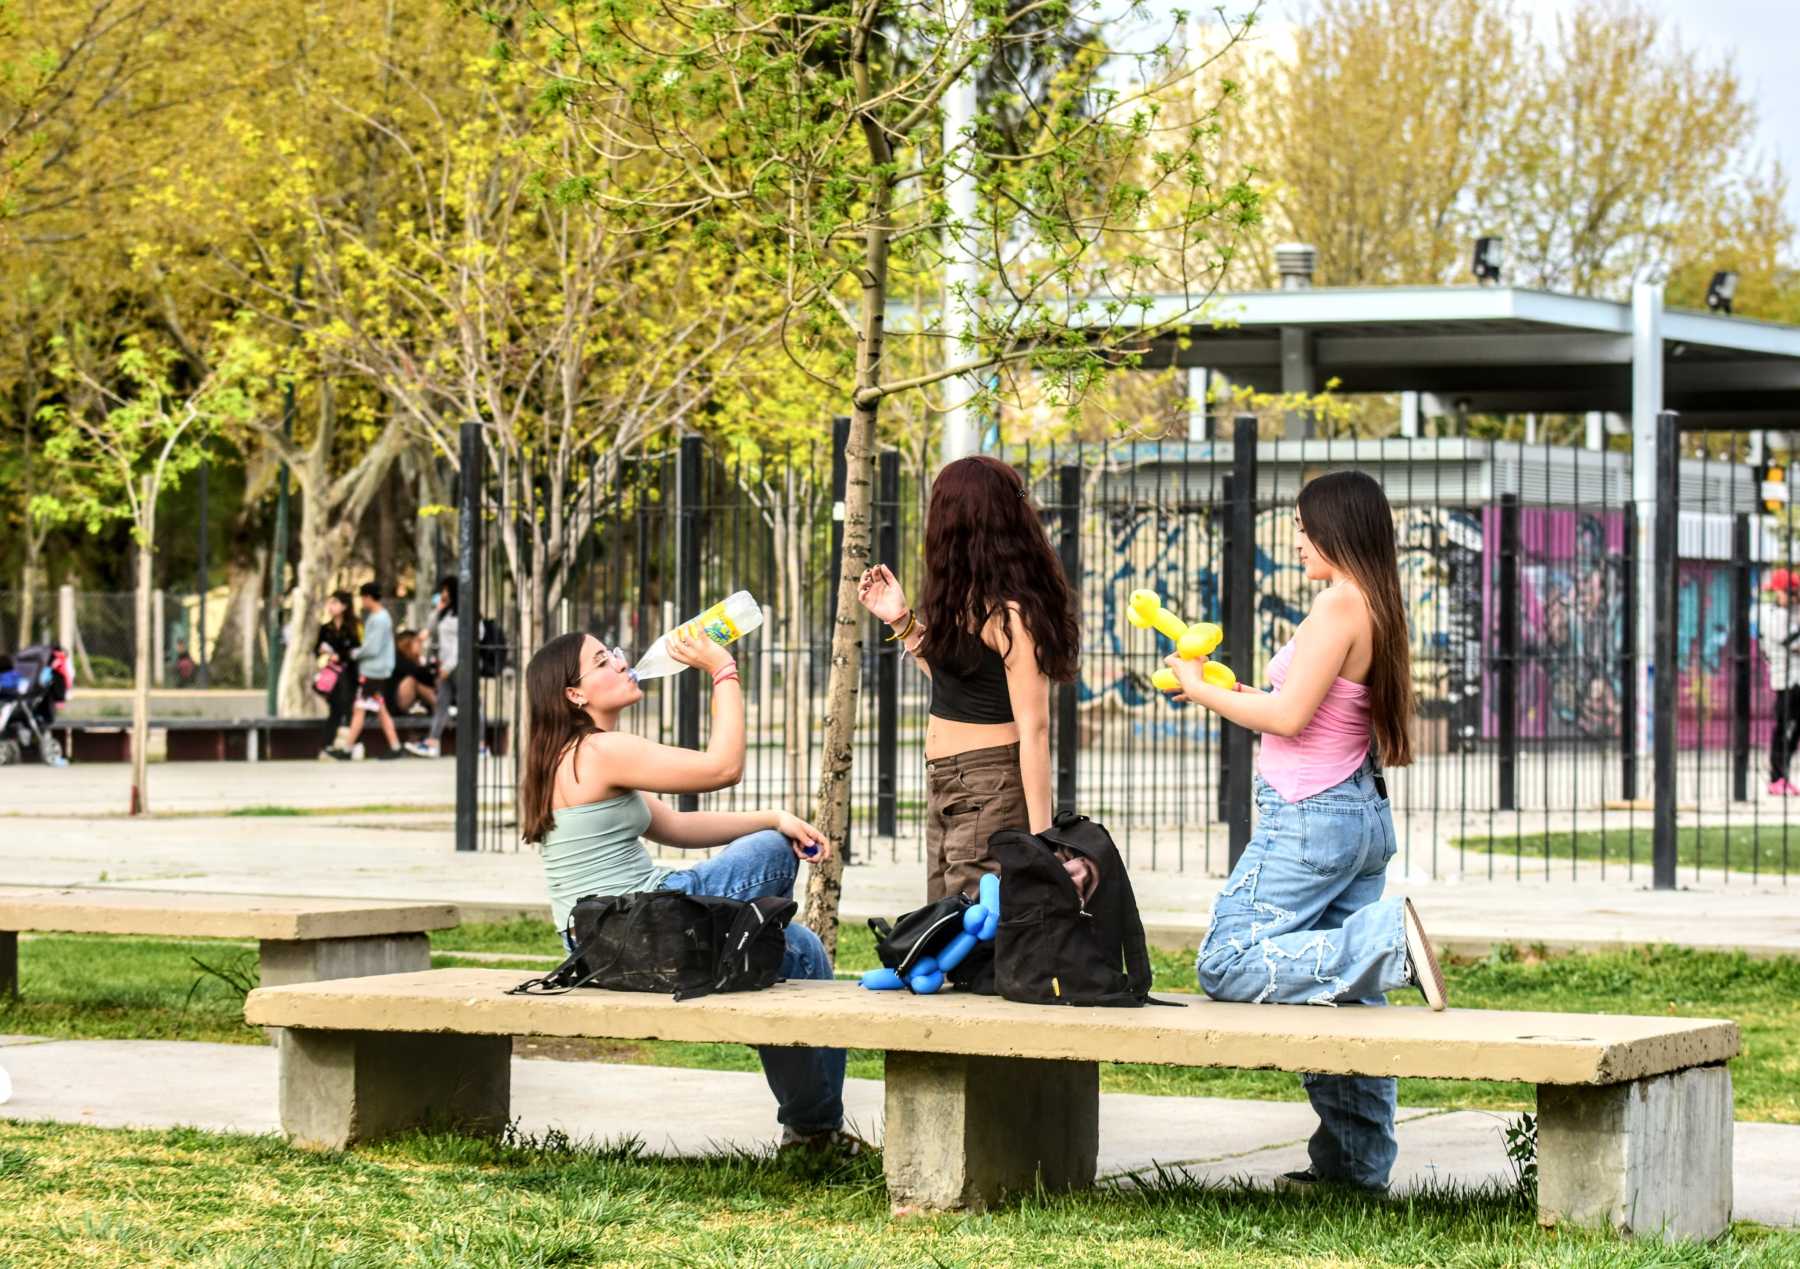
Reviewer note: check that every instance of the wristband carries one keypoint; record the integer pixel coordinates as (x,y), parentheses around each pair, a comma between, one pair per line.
(729,675)
(730,667)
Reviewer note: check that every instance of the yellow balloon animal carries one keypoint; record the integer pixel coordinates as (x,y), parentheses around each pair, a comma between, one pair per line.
(1146,612)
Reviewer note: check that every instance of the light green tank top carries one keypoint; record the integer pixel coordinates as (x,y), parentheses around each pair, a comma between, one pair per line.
(597,848)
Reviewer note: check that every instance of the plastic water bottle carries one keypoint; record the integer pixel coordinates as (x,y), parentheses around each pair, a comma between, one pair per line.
(731,618)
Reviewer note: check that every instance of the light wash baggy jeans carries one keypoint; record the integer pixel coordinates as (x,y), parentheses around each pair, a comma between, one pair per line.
(1301,921)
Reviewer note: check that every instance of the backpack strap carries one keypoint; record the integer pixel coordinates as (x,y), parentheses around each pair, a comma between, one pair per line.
(563,979)
(745,926)
(1137,952)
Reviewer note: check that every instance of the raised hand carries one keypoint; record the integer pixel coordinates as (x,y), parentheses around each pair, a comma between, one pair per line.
(880,593)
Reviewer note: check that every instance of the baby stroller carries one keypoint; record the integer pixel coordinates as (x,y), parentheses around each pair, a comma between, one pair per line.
(31,688)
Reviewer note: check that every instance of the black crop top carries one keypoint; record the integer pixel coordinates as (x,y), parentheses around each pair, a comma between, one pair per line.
(977,696)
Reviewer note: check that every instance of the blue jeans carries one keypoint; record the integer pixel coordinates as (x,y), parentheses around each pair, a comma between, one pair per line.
(808,1083)
(1301,921)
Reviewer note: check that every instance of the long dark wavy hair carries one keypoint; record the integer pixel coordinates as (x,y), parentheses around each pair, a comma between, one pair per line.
(1346,516)
(556,727)
(985,548)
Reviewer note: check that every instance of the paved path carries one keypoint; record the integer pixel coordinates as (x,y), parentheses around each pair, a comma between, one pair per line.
(409,856)
(231,1088)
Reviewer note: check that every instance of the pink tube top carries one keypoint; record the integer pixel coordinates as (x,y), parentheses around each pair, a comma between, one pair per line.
(1328,750)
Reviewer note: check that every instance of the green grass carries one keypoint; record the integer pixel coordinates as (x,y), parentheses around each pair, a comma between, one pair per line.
(1768,847)
(74,1196)
(89,986)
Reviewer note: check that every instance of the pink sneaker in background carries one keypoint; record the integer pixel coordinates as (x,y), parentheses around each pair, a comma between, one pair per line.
(1782,789)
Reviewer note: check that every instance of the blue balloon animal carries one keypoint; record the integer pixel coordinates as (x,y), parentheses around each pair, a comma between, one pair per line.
(981,922)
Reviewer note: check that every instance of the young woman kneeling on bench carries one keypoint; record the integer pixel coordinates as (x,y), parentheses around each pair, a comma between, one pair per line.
(584,802)
(1302,920)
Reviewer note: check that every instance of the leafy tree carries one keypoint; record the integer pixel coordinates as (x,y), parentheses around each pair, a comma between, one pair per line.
(818,134)
(134,420)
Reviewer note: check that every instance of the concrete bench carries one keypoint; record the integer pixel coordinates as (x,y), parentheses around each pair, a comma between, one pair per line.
(90,740)
(985,1097)
(303,940)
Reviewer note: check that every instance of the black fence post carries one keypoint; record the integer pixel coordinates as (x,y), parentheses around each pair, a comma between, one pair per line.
(1240,624)
(887,655)
(1740,657)
(1662,662)
(840,486)
(469,726)
(1068,547)
(1507,694)
(1628,661)
(687,593)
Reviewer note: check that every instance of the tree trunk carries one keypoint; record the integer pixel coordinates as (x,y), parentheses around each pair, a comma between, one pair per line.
(140,696)
(28,575)
(825,886)
(324,547)
(244,583)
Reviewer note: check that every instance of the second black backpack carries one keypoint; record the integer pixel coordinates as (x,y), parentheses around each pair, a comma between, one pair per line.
(1053,951)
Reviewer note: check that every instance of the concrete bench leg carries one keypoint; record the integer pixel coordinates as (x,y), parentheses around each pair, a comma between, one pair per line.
(312,960)
(9,963)
(965,1131)
(1648,1157)
(339,1088)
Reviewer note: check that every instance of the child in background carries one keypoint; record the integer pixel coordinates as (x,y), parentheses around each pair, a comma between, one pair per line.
(1775,635)
(1302,919)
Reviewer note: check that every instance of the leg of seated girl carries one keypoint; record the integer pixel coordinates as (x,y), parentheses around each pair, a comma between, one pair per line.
(808,1083)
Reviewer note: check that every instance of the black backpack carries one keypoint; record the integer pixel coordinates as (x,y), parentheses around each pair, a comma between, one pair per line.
(927,931)
(667,941)
(1051,950)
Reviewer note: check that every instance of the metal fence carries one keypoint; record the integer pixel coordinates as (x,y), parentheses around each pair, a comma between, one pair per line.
(1526,570)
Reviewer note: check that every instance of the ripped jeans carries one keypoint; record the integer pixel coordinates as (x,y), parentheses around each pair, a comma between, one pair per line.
(1301,921)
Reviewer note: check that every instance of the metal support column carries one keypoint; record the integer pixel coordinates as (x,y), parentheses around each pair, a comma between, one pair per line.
(687,593)
(469,726)
(1740,658)
(887,653)
(1663,667)
(1068,549)
(1240,625)
(1506,672)
(1628,661)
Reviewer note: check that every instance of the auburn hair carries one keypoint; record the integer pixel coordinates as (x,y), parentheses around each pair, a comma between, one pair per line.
(1346,517)
(986,551)
(557,727)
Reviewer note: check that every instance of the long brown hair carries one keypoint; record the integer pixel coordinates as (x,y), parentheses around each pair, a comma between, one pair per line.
(985,548)
(556,727)
(1346,516)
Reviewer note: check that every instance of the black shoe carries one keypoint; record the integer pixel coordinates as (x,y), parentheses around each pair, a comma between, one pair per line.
(389,755)
(333,751)
(1310,1182)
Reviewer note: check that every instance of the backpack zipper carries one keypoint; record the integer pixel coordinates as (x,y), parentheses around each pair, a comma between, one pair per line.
(918,943)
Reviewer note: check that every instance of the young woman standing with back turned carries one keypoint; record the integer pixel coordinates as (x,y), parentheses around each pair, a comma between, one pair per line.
(1301,919)
(996,626)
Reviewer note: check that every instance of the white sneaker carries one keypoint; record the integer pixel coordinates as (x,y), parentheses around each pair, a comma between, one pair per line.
(1421,960)
(421,749)
(357,754)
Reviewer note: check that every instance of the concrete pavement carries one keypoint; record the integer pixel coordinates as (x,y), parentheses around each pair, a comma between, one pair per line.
(408,856)
(231,1088)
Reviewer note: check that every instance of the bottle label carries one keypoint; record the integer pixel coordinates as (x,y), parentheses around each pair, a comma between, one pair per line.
(716,625)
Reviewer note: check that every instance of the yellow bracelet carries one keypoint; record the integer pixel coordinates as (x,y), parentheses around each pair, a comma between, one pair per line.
(901,636)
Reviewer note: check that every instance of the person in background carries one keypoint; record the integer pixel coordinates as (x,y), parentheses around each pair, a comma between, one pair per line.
(413,686)
(442,631)
(374,660)
(337,641)
(1776,632)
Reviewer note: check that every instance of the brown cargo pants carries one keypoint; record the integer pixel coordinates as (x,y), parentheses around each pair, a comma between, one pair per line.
(968,798)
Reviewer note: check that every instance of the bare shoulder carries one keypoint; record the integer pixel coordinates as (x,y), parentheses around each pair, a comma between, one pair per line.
(1340,602)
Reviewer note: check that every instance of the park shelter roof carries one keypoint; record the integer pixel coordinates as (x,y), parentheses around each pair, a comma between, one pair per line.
(1497,349)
